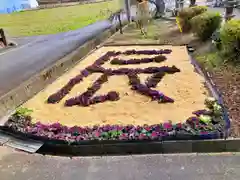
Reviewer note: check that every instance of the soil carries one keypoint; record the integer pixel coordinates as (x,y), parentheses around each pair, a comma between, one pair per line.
(227,80)
(158,32)
(185,87)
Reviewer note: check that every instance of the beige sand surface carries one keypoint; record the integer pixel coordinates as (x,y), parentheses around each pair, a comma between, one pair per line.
(185,87)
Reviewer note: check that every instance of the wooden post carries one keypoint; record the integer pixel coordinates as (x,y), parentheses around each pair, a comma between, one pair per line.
(3,37)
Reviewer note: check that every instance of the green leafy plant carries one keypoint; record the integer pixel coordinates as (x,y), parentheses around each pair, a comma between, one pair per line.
(230,40)
(186,14)
(205,24)
(205,119)
(21,111)
(198,10)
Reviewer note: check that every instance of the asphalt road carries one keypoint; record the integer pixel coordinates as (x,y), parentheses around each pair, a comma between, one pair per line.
(21,166)
(35,53)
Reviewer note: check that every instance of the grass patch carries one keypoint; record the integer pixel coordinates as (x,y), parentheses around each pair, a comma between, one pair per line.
(55,20)
(152,32)
(210,60)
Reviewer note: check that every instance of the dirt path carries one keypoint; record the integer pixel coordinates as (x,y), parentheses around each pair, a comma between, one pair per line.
(158,32)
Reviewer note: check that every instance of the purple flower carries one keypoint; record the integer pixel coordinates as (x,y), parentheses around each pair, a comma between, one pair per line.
(85,73)
(202,112)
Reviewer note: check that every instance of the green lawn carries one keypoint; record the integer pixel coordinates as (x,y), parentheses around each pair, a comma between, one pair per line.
(55,20)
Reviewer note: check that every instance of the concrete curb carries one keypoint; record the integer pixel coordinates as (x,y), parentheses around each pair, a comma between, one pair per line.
(124,148)
(26,90)
(109,44)
(162,147)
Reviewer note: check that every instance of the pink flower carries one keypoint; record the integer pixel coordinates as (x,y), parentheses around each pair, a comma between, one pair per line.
(123,137)
(167,126)
(154,134)
(142,136)
(97,134)
(147,128)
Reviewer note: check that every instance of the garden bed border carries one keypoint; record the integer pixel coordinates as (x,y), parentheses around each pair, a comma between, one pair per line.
(215,142)
(128,148)
(214,92)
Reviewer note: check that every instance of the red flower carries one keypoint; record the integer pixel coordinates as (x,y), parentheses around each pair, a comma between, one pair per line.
(204,133)
(179,125)
(154,134)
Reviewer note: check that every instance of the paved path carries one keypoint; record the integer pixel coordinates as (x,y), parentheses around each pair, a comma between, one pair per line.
(23,62)
(20,166)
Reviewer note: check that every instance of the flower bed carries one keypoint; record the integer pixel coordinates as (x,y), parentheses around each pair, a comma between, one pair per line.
(85,98)
(207,123)
(60,101)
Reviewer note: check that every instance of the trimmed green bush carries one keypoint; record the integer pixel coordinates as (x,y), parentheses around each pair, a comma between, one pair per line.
(230,39)
(198,10)
(205,24)
(186,14)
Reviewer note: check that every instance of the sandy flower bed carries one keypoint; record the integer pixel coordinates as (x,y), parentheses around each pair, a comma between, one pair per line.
(185,87)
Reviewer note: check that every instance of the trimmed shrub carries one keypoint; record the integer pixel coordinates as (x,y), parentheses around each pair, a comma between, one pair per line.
(186,14)
(198,10)
(205,24)
(230,39)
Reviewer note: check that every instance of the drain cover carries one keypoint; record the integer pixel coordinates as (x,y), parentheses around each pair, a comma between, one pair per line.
(24,145)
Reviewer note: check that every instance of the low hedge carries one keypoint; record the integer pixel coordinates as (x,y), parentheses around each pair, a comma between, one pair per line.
(230,40)
(205,24)
(186,14)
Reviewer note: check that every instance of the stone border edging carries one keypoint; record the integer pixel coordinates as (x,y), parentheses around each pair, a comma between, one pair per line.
(108,44)
(26,90)
(161,147)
